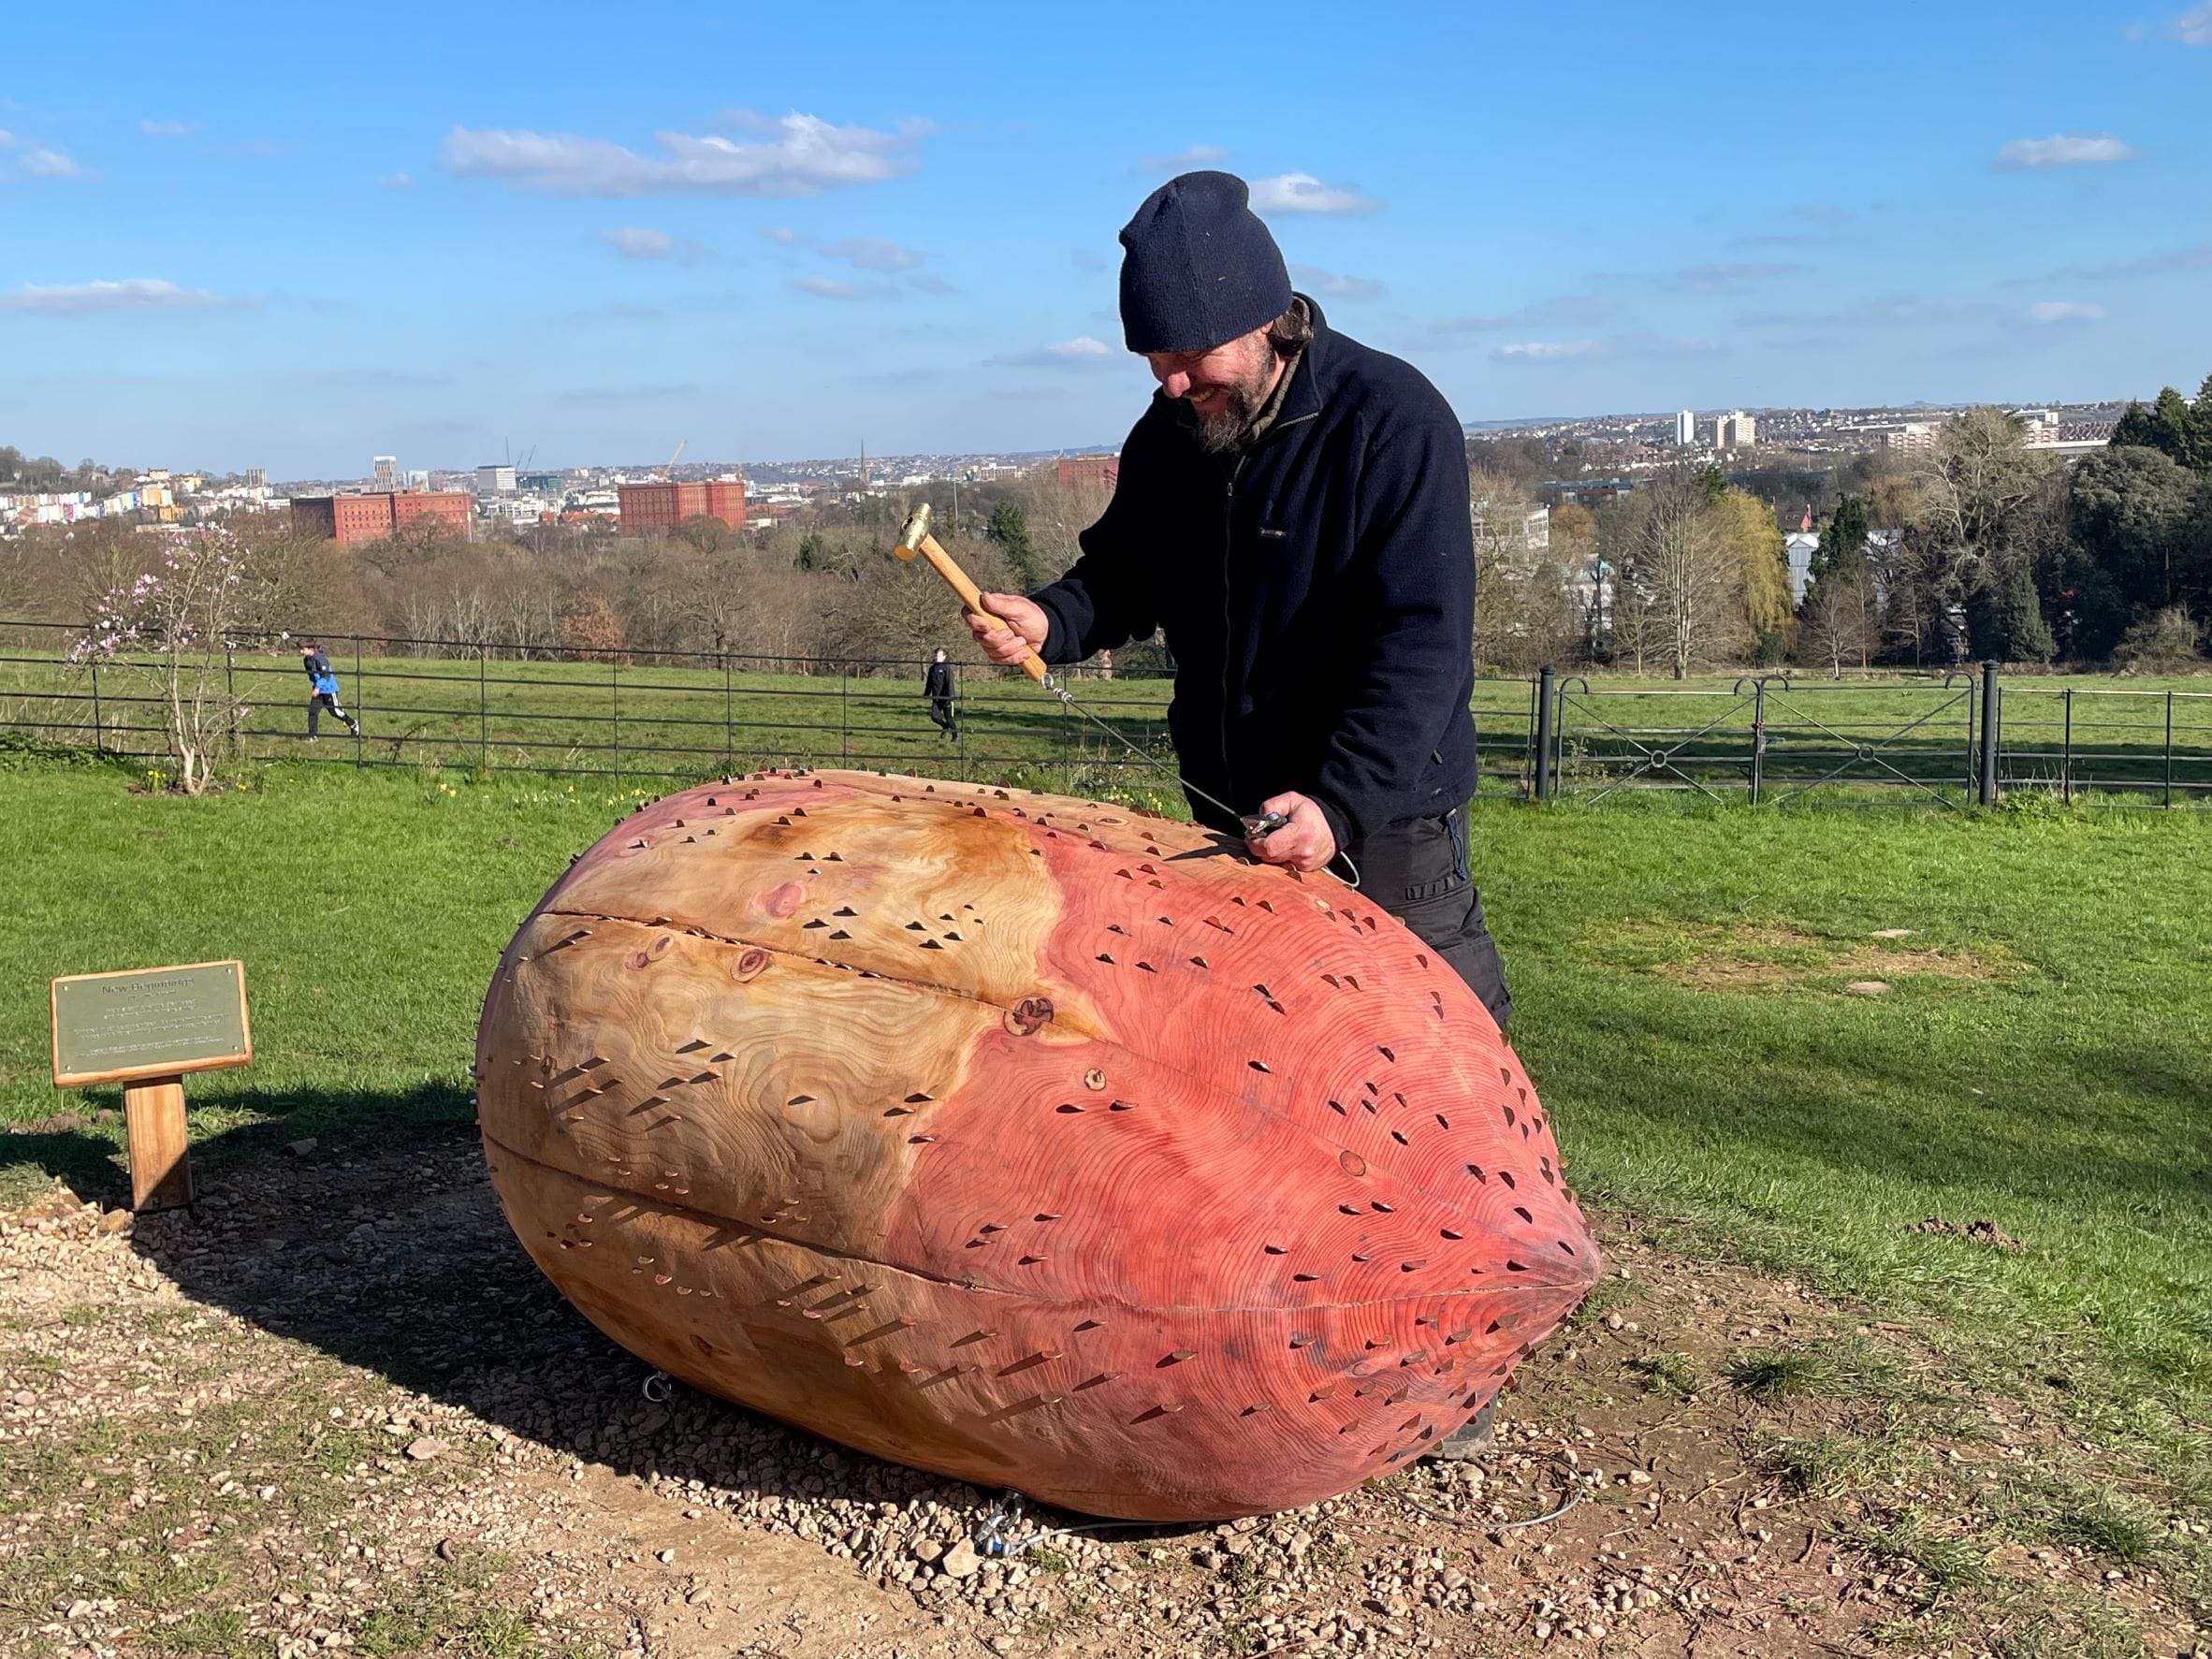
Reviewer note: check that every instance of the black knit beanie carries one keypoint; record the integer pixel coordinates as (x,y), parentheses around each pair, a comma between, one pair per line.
(1200,269)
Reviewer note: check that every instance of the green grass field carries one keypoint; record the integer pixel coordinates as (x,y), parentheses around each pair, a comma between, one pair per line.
(1683,978)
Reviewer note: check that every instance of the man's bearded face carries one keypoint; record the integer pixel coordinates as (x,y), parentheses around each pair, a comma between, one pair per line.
(1225,387)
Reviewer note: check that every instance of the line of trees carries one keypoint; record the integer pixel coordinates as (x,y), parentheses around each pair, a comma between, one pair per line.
(1981,546)
(823,588)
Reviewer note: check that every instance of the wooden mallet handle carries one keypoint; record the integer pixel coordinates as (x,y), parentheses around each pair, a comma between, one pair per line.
(916,539)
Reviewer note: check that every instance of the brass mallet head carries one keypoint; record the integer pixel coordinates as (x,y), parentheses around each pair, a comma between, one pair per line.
(913,532)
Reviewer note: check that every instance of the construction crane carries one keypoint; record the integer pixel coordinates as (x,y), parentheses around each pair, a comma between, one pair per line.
(670,466)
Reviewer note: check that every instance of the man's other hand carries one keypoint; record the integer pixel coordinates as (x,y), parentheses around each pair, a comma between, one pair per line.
(1014,628)
(1305,843)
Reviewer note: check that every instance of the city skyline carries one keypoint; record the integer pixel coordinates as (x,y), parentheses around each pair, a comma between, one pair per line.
(771,243)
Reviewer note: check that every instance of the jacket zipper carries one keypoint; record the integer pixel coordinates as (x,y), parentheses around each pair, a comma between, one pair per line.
(1229,542)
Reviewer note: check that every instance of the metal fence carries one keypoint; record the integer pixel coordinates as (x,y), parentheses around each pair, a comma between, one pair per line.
(1971,737)
(648,717)
(632,716)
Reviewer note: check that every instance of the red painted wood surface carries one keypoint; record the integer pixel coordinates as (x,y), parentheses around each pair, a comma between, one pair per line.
(1029,1140)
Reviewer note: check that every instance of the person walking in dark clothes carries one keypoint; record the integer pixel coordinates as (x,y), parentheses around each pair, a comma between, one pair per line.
(324,680)
(937,686)
(1292,513)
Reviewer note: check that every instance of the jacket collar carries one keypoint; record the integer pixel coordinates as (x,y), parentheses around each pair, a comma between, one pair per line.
(1303,401)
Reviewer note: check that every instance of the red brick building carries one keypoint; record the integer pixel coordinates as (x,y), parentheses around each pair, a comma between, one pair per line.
(1090,468)
(648,508)
(451,505)
(350,518)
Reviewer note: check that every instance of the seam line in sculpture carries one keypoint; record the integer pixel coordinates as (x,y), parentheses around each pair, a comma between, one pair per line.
(708,1218)
(754,944)
(1307,1131)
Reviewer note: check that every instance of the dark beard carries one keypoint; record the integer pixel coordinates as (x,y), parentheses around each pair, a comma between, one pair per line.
(1217,434)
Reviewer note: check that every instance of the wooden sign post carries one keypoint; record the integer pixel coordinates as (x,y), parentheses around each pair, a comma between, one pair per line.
(145,1028)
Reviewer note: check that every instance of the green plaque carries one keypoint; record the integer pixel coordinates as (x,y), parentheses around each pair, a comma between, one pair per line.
(153,1022)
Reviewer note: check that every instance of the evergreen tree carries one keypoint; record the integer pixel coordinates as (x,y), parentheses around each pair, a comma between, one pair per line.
(2004,617)
(1845,544)
(1009,529)
(2174,425)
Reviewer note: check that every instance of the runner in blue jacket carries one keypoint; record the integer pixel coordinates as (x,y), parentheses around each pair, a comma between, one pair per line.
(324,678)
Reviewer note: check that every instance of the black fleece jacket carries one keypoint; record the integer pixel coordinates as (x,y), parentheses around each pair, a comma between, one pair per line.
(1317,589)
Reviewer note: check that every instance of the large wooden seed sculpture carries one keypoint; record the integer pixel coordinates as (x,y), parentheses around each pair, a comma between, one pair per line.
(1031,1141)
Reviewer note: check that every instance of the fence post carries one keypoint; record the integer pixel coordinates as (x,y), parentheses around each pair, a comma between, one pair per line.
(1988,791)
(729,742)
(99,725)
(1544,686)
(614,672)
(482,717)
(361,708)
(844,713)
(2066,754)
(2169,800)
(1758,767)
(1528,745)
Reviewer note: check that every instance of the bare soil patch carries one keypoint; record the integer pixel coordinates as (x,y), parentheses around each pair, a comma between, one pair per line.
(336,1409)
(1778,956)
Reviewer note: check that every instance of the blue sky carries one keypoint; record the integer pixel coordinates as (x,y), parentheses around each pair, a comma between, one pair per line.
(294,237)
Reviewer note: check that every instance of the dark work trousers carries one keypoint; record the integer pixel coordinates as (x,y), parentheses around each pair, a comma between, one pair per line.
(322,700)
(940,715)
(1418,871)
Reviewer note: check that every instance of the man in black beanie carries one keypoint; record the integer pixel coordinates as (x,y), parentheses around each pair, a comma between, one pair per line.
(1292,512)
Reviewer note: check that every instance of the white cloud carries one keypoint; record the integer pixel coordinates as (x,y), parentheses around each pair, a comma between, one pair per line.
(1301,193)
(396,181)
(1572,309)
(796,155)
(168,129)
(132,294)
(2062,150)
(7,140)
(2197,256)
(862,253)
(1330,285)
(828,287)
(870,252)
(1623,348)
(40,163)
(634,243)
(1730,278)
(2193,27)
(1183,160)
(1548,351)
(1062,354)
(2064,310)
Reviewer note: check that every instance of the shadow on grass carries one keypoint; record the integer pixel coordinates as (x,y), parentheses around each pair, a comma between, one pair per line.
(387,1252)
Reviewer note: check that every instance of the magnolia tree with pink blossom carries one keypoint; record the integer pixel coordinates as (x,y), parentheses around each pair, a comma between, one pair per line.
(174,628)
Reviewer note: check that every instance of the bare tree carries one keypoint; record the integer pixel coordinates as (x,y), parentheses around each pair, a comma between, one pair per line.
(1682,603)
(1058,513)
(1838,624)
(1523,615)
